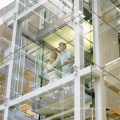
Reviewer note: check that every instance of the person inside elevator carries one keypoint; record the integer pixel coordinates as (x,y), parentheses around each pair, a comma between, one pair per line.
(65,60)
(52,74)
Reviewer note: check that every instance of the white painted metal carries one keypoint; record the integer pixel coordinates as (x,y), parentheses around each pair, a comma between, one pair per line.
(2,107)
(85,71)
(100,108)
(8,88)
(79,61)
(96,44)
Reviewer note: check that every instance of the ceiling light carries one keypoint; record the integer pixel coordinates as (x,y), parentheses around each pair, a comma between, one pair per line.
(119,93)
(65,91)
(16,79)
(29,20)
(53,97)
(114,42)
(117,9)
(28,72)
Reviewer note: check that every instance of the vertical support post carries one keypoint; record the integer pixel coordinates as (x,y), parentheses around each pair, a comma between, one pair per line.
(79,60)
(8,88)
(100,110)
(96,44)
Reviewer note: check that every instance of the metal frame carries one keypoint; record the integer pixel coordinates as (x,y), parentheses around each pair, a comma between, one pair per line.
(78,73)
(10,70)
(100,110)
(79,61)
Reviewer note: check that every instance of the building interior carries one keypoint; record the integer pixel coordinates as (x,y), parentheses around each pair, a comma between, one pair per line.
(40,33)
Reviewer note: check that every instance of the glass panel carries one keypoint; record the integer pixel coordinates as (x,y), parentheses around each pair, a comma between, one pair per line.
(1,114)
(34,51)
(110,12)
(108,42)
(5,47)
(107,69)
(89,97)
(9,11)
(112,80)
(88,42)
(110,75)
(47,13)
(5,44)
(54,104)
(3,83)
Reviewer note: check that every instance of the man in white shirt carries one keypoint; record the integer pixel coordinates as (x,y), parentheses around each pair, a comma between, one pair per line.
(65,59)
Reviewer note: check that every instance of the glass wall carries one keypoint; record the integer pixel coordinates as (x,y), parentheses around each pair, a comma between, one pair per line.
(3,83)
(54,104)
(36,48)
(107,65)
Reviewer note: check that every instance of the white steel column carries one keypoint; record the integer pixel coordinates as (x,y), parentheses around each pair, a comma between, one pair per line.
(100,108)
(78,53)
(10,70)
(8,87)
(96,44)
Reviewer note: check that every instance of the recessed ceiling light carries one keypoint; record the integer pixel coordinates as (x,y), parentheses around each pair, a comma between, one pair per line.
(53,97)
(114,42)
(28,72)
(29,20)
(16,79)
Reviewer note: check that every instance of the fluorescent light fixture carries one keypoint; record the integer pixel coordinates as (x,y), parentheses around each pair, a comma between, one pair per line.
(117,9)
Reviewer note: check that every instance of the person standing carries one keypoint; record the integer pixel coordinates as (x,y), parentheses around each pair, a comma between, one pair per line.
(65,60)
(54,74)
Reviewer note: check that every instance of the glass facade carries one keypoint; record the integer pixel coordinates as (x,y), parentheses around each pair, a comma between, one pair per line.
(59,60)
